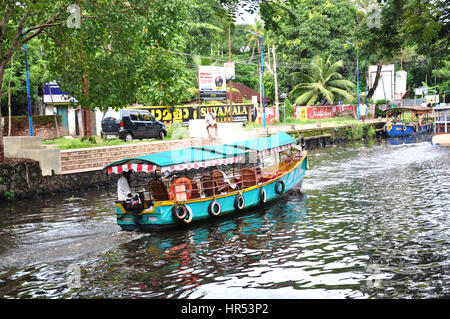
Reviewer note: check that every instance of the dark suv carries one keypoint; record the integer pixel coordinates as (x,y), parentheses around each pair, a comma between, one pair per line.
(131,124)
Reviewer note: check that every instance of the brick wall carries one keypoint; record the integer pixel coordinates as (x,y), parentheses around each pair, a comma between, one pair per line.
(43,126)
(95,158)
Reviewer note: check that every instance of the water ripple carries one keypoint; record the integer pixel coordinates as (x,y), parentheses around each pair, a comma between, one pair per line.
(370,222)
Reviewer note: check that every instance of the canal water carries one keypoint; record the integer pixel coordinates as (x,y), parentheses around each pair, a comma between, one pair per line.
(371,221)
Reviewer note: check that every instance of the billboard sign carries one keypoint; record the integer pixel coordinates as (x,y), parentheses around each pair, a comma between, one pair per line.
(229,71)
(212,82)
(182,114)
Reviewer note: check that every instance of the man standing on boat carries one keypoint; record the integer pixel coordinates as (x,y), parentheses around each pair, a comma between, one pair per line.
(123,186)
(211,122)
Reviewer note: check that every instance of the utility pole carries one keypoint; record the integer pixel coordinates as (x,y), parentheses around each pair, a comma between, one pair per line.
(230,83)
(277,113)
(86,111)
(9,96)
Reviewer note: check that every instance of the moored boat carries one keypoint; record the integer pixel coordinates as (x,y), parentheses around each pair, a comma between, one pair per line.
(441,126)
(200,183)
(398,125)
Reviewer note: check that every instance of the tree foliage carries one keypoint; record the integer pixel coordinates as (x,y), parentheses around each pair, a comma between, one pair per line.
(123,51)
(322,84)
(303,29)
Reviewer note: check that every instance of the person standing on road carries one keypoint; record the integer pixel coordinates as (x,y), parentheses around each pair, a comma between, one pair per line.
(362,111)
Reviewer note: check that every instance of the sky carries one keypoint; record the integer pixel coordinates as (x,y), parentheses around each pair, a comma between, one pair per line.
(246,17)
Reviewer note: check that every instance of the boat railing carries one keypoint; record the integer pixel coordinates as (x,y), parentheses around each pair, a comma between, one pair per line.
(215,183)
(218,182)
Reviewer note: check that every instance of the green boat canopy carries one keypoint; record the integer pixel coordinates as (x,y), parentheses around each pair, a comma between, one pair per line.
(201,157)
(274,142)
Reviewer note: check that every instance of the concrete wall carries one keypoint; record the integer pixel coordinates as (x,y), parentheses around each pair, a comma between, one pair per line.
(226,132)
(30,147)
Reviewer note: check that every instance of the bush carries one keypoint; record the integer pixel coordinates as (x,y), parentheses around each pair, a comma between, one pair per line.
(289,109)
(370,132)
(177,132)
(355,132)
(378,112)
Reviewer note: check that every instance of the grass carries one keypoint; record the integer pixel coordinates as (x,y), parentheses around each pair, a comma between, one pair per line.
(326,122)
(177,132)
(174,132)
(93,141)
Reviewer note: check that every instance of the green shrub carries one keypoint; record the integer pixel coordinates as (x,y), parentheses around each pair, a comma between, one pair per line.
(289,109)
(370,132)
(355,132)
(378,112)
(177,132)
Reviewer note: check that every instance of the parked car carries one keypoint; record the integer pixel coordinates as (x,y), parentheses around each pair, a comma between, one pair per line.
(130,124)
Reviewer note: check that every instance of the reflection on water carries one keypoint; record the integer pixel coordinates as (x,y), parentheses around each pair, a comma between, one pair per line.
(370,222)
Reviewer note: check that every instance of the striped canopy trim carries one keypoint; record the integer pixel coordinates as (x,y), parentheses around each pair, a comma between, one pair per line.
(197,165)
(118,169)
(277,149)
(148,168)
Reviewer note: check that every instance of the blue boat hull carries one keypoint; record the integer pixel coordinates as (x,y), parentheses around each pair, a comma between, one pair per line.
(403,130)
(160,216)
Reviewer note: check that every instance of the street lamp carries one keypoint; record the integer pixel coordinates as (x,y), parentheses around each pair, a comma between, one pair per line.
(262,73)
(357,77)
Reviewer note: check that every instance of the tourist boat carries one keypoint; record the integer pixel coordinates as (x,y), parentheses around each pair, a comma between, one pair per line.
(407,120)
(441,126)
(201,183)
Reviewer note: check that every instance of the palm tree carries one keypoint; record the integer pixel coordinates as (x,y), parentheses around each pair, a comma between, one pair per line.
(257,28)
(324,84)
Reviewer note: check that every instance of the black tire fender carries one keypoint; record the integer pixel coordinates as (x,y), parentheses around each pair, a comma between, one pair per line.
(212,208)
(262,195)
(176,212)
(239,202)
(189,215)
(277,187)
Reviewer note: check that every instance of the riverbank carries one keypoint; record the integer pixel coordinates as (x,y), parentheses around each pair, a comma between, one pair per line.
(23,178)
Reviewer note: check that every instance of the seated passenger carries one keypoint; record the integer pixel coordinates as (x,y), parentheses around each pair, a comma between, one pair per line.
(123,186)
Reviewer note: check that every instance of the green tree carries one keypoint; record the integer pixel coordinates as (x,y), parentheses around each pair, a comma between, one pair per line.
(443,76)
(253,40)
(303,29)
(425,24)
(103,61)
(378,35)
(20,22)
(15,76)
(122,54)
(323,84)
